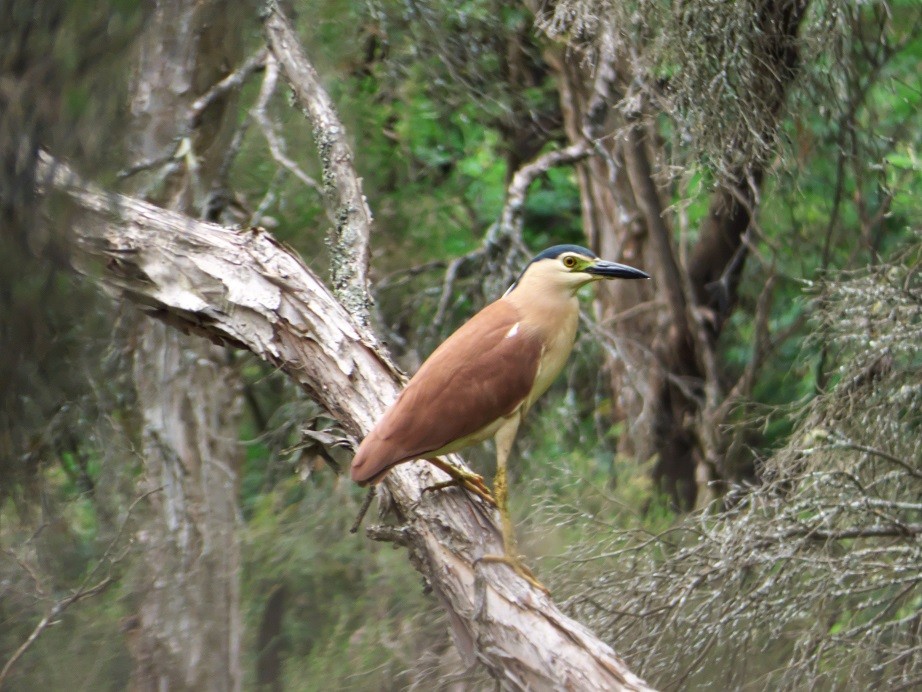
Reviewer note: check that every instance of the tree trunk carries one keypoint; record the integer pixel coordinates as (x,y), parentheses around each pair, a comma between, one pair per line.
(691,451)
(188,626)
(615,230)
(269,641)
(669,396)
(189,611)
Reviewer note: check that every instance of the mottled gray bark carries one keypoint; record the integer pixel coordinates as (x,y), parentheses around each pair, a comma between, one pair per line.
(187,631)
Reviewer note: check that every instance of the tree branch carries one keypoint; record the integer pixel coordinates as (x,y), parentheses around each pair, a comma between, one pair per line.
(232,81)
(275,142)
(873,531)
(248,290)
(193,117)
(510,218)
(342,189)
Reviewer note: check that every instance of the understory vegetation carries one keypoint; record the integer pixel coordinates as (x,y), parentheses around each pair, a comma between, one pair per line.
(779,547)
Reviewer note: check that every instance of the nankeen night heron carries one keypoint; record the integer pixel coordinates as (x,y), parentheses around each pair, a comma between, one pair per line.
(485,377)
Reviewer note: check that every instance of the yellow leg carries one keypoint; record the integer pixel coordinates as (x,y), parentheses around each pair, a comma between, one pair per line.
(504,439)
(471,482)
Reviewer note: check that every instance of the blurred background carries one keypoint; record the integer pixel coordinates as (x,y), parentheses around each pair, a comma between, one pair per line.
(725,483)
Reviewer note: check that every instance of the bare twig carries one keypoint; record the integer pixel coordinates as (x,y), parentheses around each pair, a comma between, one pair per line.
(761,344)
(28,569)
(80,593)
(363,510)
(510,218)
(273,139)
(49,617)
(507,231)
(232,81)
(873,531)
(448,285)
(148,164)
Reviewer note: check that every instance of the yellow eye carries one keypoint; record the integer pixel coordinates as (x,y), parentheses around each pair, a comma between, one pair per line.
(569,261)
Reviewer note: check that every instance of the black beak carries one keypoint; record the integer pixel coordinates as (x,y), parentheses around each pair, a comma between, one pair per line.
(613,270)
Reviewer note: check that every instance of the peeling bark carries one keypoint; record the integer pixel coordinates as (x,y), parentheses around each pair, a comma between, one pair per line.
(188,627)
(246,289)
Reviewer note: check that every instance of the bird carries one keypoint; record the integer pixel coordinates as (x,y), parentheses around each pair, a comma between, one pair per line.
(483,379)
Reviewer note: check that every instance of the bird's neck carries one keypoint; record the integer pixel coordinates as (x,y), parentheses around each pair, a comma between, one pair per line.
(552,316)
(541,284)
(551,312)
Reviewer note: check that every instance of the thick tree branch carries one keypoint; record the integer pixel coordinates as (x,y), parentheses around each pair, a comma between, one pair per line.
(248,290)
(342,188)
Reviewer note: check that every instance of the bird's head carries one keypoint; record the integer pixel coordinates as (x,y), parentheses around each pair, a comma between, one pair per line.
(569,267)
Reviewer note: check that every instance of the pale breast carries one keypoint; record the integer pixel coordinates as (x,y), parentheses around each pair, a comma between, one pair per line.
(558,343)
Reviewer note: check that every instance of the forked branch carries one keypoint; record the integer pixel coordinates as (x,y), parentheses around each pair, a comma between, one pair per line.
(248,290)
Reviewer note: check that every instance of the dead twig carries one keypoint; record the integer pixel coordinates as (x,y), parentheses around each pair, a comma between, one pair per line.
(82,592)
(363,510)
(232,81)
(276,143)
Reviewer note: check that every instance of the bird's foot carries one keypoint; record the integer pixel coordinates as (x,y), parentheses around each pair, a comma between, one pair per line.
(520,568)
(470,481)
(478,489)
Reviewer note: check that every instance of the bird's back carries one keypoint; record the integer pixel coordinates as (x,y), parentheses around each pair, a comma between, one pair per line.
(481,373)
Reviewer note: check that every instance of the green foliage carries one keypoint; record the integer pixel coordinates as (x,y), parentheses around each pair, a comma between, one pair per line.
(440,115)
(349,599)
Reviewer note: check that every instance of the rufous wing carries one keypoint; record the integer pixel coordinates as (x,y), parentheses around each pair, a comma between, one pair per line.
(482,372)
